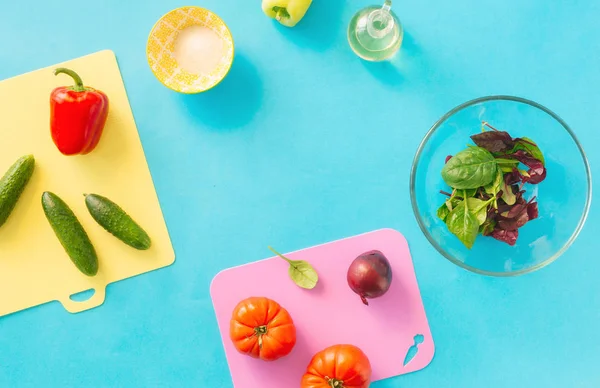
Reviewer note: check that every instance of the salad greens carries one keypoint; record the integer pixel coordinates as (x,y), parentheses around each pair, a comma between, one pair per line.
(462,221)
(469,169)
(487,186)
(300,271)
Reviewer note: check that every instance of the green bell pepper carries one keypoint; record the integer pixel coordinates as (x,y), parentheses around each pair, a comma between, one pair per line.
(286,12)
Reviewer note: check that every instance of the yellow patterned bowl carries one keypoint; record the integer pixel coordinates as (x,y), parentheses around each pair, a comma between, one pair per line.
(161,45)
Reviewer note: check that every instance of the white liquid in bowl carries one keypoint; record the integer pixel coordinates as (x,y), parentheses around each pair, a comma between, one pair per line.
(198,50)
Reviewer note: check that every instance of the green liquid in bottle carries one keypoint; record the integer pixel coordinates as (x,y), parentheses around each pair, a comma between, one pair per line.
(375,33)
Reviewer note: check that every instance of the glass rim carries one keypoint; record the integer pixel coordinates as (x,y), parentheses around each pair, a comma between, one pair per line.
(450,257)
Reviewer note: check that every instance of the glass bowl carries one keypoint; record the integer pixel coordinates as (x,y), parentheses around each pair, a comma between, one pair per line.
(563,197)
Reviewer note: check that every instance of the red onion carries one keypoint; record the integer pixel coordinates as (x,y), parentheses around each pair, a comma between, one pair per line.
(370,275)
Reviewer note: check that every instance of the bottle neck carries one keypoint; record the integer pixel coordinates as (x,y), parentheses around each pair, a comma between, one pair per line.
(380,22)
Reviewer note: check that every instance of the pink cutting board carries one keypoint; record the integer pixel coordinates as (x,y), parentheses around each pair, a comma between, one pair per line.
(330,313)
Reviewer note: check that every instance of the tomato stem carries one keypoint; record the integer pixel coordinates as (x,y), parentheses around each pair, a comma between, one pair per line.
(334,383)
(260,331)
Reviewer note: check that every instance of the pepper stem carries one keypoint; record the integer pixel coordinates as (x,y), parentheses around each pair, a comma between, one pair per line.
(281,13)
(78,82)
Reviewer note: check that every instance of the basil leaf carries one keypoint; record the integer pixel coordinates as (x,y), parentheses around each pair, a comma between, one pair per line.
(470,169)
(529,146)
(478,209)
(301,272)
(463,224)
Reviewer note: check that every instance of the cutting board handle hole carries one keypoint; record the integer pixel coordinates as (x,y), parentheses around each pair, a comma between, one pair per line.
(414,349)
(83,295)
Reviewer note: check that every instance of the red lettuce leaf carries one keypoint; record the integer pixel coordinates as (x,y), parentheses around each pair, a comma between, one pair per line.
(536,176)
(512,178)
(494,141)
(514,217)
(537,171)
(506,236)
(532,211)
(516,221)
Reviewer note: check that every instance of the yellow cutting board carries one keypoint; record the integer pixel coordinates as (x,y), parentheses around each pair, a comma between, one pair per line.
(34,268)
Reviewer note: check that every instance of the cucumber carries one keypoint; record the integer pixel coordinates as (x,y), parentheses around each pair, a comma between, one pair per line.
(116,221)
(70,233)
(13,184)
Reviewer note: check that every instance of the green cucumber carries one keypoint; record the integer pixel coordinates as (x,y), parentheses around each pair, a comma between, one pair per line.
(13,184)
(70,233)
(116,221)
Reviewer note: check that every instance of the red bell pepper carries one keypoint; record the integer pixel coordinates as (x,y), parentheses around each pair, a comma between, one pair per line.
(77,116)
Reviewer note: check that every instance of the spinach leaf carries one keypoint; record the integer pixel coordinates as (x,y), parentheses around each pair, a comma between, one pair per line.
(452,202)
(468,193)
(443,212)
(494,188)
(459,195)
(463,224)
(447,207)
(478,209)
(496,185)
(470,169)
(300,271)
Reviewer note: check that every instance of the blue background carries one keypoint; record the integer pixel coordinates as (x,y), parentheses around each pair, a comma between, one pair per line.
(302,144)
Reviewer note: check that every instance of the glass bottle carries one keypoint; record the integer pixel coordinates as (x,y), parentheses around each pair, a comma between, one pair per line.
(375,33)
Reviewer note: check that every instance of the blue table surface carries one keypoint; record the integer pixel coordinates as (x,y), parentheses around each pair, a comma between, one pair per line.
(302,144)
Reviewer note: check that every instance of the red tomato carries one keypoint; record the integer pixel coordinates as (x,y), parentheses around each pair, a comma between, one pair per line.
(339,366)
(261,328)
